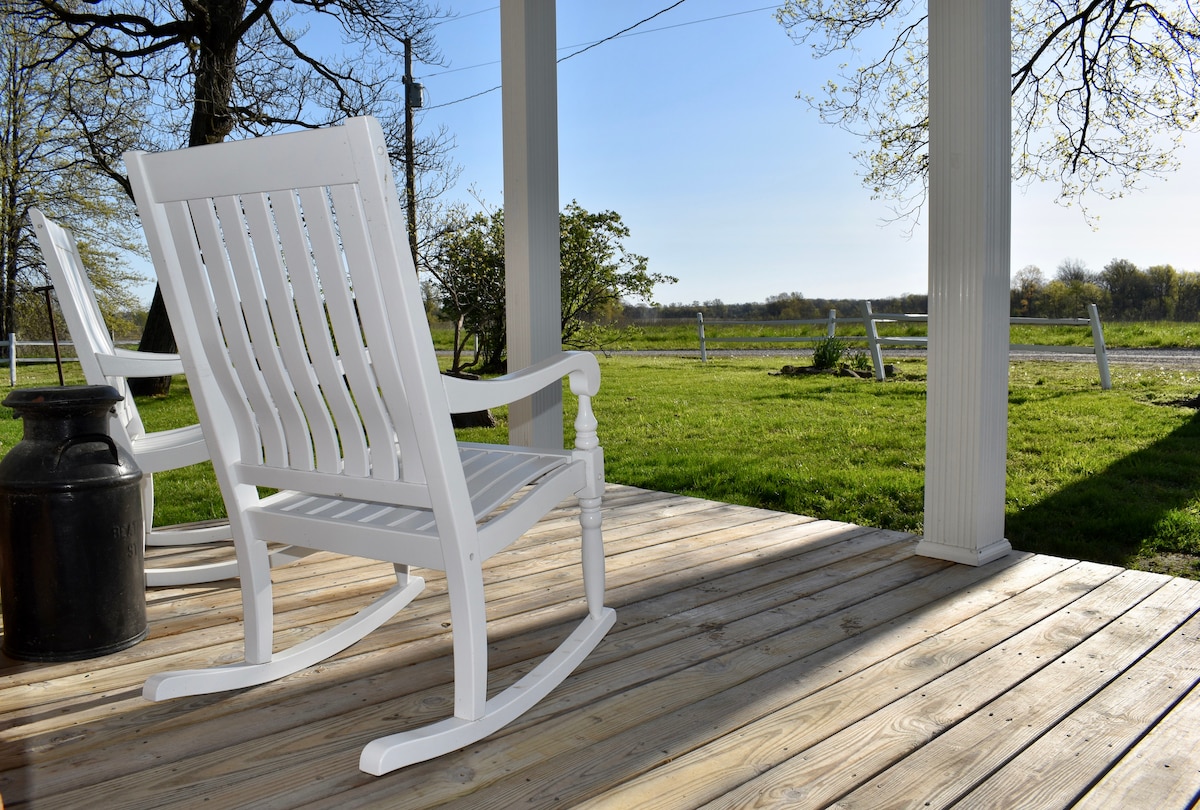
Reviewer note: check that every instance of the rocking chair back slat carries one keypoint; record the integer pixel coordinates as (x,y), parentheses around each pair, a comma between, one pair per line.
(289,276)
(284,299)
(247,333)
(84,320)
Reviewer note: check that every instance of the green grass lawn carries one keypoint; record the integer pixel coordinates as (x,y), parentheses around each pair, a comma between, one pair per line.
(1110,476)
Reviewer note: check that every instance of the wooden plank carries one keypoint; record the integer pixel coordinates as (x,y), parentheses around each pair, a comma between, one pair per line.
(742,548)
(966,755)
(307,601)
(742,632)
(1063,763)
(415,708)
(657,723)
(309,762)
(1164,766)
(85,667)
(810,708)
(1010,694)
(187,645)
(517,649)
(221,635)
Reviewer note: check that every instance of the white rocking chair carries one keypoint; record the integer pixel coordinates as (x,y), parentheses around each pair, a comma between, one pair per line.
(296,306)
(105,364)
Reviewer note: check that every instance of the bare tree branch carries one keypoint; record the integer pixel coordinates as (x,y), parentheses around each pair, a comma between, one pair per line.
(1102,89)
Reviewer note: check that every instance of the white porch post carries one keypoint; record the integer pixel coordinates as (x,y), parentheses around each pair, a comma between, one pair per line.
(969,247)
(530,109)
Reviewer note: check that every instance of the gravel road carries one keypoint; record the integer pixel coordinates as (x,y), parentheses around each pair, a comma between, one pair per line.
(1164,358)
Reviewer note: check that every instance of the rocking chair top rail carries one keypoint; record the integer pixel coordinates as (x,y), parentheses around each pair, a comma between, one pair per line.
(306,316)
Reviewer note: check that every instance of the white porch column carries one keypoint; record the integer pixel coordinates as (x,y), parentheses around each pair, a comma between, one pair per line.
(530,109)
(969,247)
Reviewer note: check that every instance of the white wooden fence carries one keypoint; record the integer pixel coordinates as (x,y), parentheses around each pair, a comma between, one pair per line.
(875,342)
(9,350)
(830,323)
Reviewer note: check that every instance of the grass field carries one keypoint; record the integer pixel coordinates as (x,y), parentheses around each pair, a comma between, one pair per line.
(1110,476)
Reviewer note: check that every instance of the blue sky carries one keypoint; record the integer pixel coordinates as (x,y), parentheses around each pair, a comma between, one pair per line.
(690,129)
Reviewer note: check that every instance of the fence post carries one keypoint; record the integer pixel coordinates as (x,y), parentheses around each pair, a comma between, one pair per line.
(700,332)
(12,359)
(831,327)
(868,319)
(1101,351)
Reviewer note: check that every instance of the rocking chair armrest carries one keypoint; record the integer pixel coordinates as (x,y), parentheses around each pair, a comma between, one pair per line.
(128,363)
(466,396)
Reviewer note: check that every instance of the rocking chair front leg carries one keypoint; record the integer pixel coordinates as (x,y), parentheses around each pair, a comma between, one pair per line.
(592,550)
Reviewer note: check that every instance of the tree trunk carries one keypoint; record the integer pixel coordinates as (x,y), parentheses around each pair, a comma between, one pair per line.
(156,337)
(471,419)
(212,122)
(8,271)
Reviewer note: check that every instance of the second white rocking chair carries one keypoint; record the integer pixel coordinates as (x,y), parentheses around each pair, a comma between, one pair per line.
(103,363)
(298,314)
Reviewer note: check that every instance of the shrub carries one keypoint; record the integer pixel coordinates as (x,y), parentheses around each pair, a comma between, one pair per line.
(829,352)
(860,361)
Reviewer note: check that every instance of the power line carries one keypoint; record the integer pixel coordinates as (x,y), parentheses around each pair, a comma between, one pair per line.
(458,17)
(473,13)
(625,32)
(676,4)
(706,19)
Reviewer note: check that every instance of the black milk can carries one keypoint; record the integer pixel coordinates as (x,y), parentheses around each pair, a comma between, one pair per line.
(72,572)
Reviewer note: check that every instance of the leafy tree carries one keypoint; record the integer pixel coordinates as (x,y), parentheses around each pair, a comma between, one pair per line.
(1027,286)
(43,107)
(213,68)
(1187,297)
(790,306)
(1070,299)
(1164,292)
(597,274)
(1075,270)
(468,266)
(218,67)
(1128,289)
(1101,89)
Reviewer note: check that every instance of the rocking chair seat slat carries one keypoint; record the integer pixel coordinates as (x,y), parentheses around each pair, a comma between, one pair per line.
(413,530)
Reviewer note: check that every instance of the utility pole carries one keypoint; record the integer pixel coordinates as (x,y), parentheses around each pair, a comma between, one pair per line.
(412,100)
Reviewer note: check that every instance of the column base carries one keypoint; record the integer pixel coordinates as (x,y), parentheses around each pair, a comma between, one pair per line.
(966,556)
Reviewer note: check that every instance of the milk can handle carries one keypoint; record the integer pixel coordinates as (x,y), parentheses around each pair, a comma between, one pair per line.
(84,438)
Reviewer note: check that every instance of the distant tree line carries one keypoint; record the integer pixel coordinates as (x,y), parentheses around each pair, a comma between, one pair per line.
(792,306)
(1122,291)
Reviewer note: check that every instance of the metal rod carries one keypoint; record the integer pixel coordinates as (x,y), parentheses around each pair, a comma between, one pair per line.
(53,330)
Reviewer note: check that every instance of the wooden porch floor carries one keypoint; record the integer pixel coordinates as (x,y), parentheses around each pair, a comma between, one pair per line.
(759,660)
